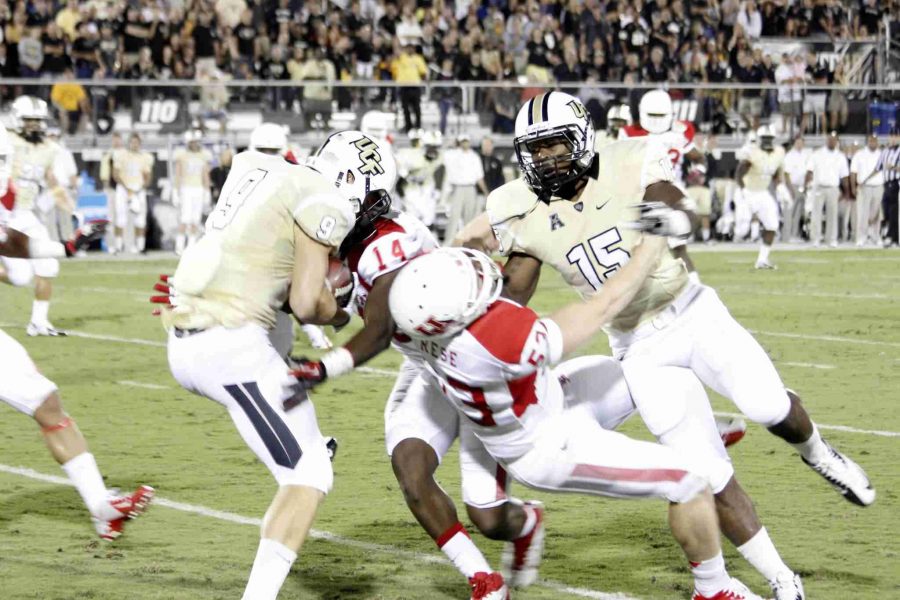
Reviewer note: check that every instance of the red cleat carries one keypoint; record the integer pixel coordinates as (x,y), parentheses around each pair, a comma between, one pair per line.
(129,507)
(488,586)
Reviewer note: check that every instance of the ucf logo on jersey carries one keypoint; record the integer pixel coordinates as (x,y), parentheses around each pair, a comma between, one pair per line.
(370,158)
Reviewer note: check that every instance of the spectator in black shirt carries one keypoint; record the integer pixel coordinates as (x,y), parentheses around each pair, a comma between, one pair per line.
(656,71)
(493,168)
(110,50)
(137,33)
(55,57)
(275,69)
(569,70)
(206,41)
(869,17)
(245,34)
(85,50)
(750,104)
(388,22)
(772,20)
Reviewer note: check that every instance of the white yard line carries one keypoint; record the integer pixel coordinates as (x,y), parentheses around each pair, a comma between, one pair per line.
(319,535)
(807,365)
(146,386)
(391,373)
(108,290)
(843,428)
(801,294)
(825,338)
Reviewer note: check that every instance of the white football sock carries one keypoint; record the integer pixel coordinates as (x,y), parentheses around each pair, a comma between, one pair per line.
(39,312)
(705,234)
(141,241)
(764,253)
(462,551)
(760,552)
(270,569)
(710,576)
(84,474)
(813,449)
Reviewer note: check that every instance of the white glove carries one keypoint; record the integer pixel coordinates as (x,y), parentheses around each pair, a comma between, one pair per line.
(657,218)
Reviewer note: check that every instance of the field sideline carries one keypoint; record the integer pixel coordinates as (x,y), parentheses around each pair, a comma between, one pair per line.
(828,319)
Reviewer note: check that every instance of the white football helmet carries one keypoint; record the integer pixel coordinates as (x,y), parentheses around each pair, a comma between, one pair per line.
(618,116)
(31,116)
(656,111)
(432,140)
(269,136)
(545,121)
(765,136)
(364,171)
(375,124)
(439,294)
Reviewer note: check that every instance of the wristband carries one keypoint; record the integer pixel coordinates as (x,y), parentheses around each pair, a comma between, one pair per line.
(337,362)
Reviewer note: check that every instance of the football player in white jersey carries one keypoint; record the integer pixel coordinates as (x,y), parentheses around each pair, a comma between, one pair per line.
(760,167)
(266,243)
(571,210)
(617,117)
(30,157)
(24,388)
(132,169)
(191,188)
(491,358)
(420,426)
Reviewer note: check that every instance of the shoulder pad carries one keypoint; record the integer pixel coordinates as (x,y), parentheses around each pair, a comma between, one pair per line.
(510,201)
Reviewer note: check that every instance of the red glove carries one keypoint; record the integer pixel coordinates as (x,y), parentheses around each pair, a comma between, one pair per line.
(166,288)
(85,236)
(309,373)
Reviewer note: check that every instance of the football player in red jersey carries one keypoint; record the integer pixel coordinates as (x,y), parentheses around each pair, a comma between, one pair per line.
(420,426)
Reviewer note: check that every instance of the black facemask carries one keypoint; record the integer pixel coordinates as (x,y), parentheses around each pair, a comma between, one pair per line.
(375,205)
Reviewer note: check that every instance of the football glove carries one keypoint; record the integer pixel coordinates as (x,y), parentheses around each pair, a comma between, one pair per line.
(657,218)
(308,373)
(85,236)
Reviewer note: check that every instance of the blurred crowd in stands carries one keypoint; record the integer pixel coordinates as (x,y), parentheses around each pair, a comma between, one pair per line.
(408,41)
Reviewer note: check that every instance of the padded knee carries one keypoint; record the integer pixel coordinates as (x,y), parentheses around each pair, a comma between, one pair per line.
(48,268)
(19,274)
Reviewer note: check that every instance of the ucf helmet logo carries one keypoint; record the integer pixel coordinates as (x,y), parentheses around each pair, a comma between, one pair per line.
(577,108)
(370,158)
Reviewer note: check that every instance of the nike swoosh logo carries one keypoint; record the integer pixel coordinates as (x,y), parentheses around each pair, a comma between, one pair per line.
(602,205)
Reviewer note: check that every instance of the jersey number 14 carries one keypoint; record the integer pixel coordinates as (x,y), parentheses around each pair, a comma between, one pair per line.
(606,256)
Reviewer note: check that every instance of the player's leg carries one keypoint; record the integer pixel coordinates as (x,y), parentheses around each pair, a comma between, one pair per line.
(817,215)
(196,217)
(742,371)
(485,486)
(45,271)
(420,427)
(121,216)
(767,212)
(29,392)
(184,217)
(139,210)
(577,455)
(242,371)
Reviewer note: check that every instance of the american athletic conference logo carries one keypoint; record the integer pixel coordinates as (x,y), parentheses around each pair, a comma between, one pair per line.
(369,157)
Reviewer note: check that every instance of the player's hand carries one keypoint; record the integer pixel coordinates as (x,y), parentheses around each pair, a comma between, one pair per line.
(85,236)
(658,218)
(164,285)
(308,373)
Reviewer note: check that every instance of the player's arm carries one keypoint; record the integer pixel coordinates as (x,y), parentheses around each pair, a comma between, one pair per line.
(678,222)
(477,235)
(579,322)
(521,274)
(309,299)
(179,173)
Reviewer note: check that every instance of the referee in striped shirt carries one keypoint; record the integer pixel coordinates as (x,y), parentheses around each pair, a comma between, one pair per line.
(889,163)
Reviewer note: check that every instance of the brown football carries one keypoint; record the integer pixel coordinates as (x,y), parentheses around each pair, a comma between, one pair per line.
(339,275)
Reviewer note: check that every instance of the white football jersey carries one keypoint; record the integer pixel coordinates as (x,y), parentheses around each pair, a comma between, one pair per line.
(496,373)
(29,167)
(398,239)
(132,167)
(588,240)
(240,270)
(763,167)
(192,164)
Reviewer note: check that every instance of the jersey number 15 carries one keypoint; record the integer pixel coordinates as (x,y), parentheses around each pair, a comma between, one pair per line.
(608,258)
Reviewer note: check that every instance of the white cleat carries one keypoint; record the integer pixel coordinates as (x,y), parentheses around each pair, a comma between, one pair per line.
(735,591)
(765,265)
(787,586)
(521,558)
(845,475)
(45,329)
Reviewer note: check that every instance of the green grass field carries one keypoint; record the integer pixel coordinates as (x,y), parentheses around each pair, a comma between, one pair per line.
(829,320)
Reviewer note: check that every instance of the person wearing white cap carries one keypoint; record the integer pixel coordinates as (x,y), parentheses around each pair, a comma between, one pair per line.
(828,173)
(464,179)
